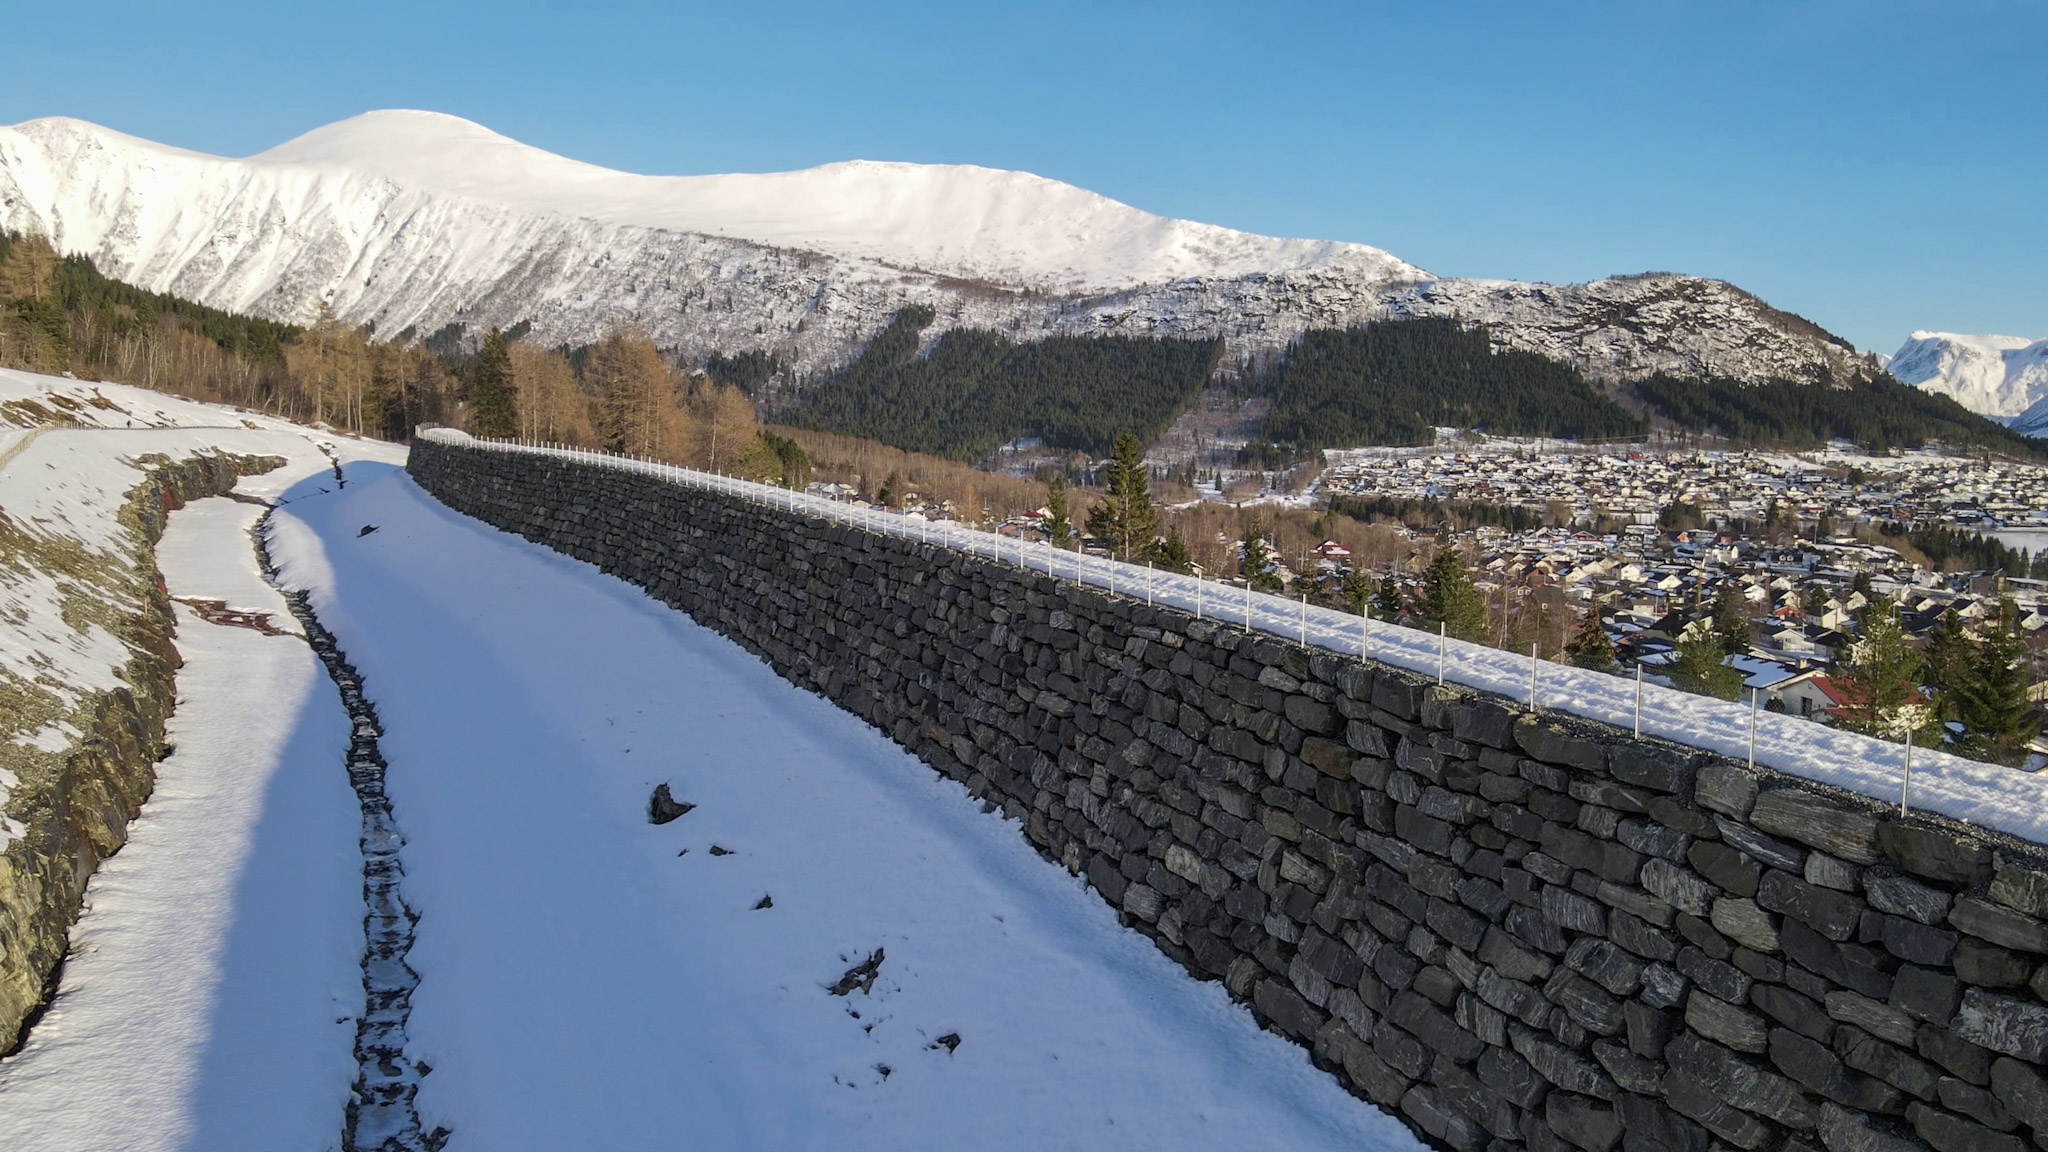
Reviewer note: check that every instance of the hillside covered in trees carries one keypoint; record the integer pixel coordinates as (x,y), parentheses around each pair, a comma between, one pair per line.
(1396,381)
(976,389)
(60,314)
(1874,411)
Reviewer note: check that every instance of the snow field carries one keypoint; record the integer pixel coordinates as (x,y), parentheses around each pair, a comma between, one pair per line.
(210,997)
(1988,795)
(592,980)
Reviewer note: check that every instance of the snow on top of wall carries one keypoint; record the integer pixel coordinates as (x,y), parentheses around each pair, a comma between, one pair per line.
(1988,795)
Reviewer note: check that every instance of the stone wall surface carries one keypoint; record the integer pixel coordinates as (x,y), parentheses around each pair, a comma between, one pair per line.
(1512,930)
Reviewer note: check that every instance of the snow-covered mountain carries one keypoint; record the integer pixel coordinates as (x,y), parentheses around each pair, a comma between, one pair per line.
(416,220)
(2004,377)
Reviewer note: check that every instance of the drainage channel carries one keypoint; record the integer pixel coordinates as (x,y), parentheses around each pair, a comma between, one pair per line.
(381,1116)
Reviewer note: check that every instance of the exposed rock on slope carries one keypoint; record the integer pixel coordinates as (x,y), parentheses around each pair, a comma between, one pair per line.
(79,760)
(414,220)
(1627,327)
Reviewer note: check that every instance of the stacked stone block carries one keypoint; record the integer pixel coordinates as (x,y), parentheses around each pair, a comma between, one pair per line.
(1513,930)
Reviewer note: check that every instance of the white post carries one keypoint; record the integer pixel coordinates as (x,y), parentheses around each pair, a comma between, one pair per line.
(1639,701)
(1198,597)
(1364,633)
(1247,605)
(1440,645)
(1532,677)
(1148,583)
(1755,702)
(1304,619)
(1906,786)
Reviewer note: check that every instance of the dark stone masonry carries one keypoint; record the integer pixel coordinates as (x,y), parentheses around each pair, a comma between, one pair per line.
(1511,930)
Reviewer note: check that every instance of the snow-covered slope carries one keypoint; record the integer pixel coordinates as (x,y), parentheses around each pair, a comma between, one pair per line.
(415,220)
(1999,376)
(952,219)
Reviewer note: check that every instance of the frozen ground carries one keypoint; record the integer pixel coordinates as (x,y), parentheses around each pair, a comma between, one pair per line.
(591,980)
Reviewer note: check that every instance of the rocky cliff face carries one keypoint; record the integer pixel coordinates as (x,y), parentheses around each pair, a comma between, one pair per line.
(413,221)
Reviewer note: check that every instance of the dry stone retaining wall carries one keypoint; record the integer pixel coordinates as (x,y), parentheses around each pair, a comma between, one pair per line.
(1512,930)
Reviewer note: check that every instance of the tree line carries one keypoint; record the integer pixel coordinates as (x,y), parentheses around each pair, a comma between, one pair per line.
(1951,549)
(1872,410)
(627,398)
(1397,381)
(976,389)
(60,314)
(1425,512)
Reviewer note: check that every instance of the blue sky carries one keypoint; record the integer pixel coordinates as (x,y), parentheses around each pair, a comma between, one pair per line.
(1875,166)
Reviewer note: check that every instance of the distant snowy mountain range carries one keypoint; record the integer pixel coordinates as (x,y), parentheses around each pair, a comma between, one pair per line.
(417,220)
(2003,377)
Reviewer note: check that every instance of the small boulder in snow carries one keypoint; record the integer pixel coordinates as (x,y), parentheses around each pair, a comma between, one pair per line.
(662,807)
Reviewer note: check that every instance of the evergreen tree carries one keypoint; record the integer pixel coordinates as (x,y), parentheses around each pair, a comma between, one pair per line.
(1358,590)
(1124,520)
(1058,526)
(1825,526)
(1590,647)
(1388,600)
(1679,516)
(1173,554)
(1699,669)
(966,393)
(1258,563)
(493,405)
(1396,381)
(1880,681)
(1777,519)
(891,492)
(1947,661)
(1998,719)
(1872,409)
(1731,620)
(1448,597)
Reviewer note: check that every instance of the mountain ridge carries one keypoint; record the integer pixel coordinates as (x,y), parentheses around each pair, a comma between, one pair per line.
(2003,377)
(392,220)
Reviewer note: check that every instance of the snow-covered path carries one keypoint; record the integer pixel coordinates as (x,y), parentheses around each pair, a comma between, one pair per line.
(211,995)
(592,980)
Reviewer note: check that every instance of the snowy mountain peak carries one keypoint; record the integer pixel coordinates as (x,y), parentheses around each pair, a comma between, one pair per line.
(952,219)
(412,221)
(1998,376)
